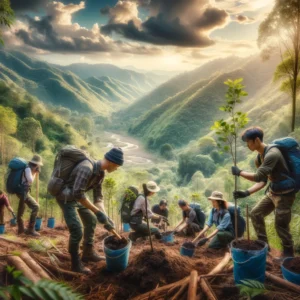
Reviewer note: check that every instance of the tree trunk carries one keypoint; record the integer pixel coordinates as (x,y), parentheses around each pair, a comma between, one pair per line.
(192,291)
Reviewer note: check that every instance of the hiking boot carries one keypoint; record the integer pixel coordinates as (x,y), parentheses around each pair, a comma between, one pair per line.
(31,231)
(77,266)
(89,254)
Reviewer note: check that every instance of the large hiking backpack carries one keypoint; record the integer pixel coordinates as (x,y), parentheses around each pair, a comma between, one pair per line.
(200,214)
(241,221)
(65,161)
(290,150)
(127,202)
(16,168)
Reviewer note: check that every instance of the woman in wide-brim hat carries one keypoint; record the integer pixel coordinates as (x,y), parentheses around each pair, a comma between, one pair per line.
(220,217)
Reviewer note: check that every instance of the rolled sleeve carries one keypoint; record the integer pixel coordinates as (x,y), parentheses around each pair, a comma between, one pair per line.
(225,222)
(209,222)
(80,183)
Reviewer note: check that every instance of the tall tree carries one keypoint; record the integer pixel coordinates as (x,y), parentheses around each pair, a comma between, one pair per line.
(6,15)
(8,125)
(29,131)
(281,29)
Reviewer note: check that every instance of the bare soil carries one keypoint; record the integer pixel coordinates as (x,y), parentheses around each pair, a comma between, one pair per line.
(245,245)
(114,243)
(188,245)
(293,265)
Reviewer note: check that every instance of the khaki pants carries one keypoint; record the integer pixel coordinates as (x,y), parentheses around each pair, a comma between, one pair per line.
(282,205)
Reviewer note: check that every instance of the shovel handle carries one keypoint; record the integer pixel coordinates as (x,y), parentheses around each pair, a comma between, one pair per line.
(116,234)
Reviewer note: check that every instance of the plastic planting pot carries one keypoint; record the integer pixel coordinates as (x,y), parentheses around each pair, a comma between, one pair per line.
(249,264)
(2,228)
(187,251)
(168,238)
(289,275)
(51,222)
(116,260)
(38,224)
(126,227)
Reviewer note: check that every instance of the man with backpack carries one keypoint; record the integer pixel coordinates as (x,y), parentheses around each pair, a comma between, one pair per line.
(221,218)
(19,181)
(189,224)
(4,202)
(139,212)
(77,173)
(280,194)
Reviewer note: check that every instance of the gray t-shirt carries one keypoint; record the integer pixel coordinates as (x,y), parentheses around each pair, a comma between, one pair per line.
(140,205)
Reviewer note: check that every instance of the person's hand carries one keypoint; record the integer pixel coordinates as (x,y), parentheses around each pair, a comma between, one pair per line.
(165,220)
(101,217)
(202,242)
(241,194)
(235,171)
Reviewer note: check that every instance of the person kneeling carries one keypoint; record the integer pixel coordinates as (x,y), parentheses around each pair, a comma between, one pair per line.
(219,215)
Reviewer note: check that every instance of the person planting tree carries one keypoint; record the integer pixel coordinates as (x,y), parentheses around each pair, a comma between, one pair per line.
(74,174)
(280,194)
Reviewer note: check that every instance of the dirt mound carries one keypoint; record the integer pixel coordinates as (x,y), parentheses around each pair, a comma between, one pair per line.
(114,243)
(159,267)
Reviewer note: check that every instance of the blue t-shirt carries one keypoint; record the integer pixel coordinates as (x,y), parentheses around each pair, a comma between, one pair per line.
(221,218)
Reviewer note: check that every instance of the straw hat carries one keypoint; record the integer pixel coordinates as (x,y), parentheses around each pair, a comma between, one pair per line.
(216,196)
(152,187)
(37,160)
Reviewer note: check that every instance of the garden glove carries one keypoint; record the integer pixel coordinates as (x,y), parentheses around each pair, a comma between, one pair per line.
(202,242)
(241,194)
(101,217)
(235,171)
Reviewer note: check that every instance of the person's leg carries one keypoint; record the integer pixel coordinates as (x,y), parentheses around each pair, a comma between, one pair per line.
(283,213)
(20,213)
(191,229)
(75,229)
(141,230)
(2,214)
(258,214)
(89,221)
(34,206)
(221,240)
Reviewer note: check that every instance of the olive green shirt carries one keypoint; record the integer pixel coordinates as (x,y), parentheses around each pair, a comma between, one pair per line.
(273,167)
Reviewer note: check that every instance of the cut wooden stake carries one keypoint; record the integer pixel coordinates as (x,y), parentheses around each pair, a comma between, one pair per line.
(20,265)
(288,285)
(207,289)
(222,264)
(33,265)
(192,291)
(180,292)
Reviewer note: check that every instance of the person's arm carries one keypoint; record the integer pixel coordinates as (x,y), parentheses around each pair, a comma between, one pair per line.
(98,196)
(28,176)
(179,224)
(10,209)
(191,218)
(201,233)
(243,194)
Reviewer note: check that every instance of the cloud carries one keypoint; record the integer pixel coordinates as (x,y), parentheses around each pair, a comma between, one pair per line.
(55,32)
(27,5)
(244,19)
(170,22)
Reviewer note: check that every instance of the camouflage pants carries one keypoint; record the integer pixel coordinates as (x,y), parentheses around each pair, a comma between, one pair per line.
(27,199)
(282,205)
(221,239)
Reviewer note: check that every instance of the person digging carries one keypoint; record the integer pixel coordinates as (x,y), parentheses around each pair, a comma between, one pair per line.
(220,217)
(76,206)
(189,224)
(4,202)
(161,209)
(139,213)
(280,194)
(27,179)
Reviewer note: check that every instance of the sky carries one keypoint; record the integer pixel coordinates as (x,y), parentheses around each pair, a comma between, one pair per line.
(169,35)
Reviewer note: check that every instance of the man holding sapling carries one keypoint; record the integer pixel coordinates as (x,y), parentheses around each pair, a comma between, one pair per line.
(280,194)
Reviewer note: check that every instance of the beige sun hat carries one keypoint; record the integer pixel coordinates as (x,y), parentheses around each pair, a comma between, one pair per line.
(216,196)
(152,187)
(37,160)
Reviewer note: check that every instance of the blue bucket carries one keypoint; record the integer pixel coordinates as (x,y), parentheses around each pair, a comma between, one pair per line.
(249,264)
(13,222)
(289,275)
(2,228)
(116,260)
(168,238)
(126,227)
(38,224)
(184,251)
(51,222)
